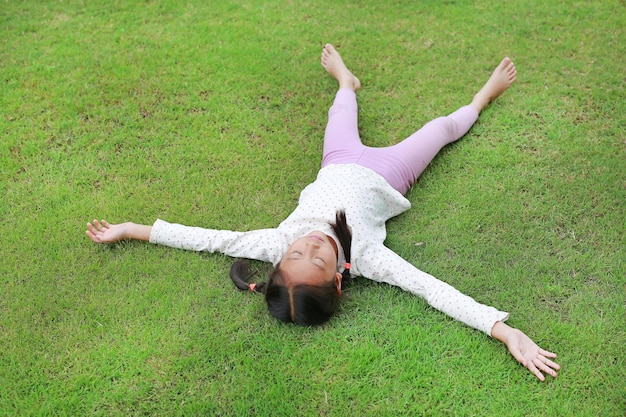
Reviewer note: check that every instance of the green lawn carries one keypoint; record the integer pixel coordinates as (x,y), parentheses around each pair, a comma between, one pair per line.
(212,114)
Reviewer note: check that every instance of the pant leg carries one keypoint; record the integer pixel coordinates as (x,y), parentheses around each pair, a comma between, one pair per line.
(419,149)
(342,144)
(402,164)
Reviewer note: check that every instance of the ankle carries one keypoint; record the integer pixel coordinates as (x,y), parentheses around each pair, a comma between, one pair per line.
(479,103)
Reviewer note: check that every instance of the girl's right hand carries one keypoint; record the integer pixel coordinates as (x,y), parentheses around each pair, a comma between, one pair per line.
(103,232)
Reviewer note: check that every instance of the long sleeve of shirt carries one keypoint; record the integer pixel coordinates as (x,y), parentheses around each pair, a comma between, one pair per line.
(266,245)
(381,264)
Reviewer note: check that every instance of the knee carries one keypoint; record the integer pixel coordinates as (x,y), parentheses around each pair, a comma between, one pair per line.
(341,109)
(446,124)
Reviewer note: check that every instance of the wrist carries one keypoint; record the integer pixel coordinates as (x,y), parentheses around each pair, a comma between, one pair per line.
(501,331)
(137,231)
(126,231)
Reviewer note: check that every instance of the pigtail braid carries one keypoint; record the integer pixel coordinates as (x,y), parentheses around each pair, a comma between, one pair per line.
(342,230)
(240,274)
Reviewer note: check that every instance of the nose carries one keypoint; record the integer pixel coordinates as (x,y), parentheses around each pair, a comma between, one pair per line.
(312,246)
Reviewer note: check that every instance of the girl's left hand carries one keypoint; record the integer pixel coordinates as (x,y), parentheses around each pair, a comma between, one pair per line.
(526,351)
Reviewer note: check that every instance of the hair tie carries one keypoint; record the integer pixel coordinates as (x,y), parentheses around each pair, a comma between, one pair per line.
(252,287)
(347,265)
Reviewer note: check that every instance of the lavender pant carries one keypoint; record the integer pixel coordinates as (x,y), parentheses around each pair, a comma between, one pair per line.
(400,164)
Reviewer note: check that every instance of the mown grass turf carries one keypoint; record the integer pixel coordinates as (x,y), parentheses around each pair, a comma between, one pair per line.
(212,114)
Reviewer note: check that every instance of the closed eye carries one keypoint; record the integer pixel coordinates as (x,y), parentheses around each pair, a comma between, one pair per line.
(295,255)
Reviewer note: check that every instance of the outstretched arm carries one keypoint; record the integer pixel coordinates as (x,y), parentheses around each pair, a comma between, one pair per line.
(525,350)
(266,245)
(103,232)
(381,264)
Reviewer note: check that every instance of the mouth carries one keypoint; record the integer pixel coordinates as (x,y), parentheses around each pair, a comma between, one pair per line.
(317,237)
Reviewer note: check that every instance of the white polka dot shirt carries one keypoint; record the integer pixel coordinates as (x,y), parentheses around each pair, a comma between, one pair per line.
(369,201)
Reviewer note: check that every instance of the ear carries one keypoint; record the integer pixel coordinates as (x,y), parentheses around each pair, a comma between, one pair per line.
(338,277)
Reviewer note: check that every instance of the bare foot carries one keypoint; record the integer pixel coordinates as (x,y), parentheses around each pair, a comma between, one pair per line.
(332,62)
(501,79)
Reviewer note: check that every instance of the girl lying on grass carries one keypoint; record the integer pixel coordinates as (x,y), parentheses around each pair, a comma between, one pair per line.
(338,228)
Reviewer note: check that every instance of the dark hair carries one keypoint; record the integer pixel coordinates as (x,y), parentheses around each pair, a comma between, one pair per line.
(344,234)
(308,305)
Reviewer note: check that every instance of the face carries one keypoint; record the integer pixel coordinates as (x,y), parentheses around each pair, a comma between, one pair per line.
(311,260)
